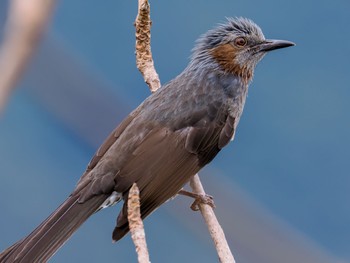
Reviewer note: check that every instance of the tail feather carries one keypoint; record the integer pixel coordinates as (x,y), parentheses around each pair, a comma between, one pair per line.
(51,234)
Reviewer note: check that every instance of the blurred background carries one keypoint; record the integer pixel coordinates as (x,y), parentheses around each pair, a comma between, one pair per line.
(281,188)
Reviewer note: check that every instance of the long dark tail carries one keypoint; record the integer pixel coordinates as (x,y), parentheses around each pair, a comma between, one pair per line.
(51,234)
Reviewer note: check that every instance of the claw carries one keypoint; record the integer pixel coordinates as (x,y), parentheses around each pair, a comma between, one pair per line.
(199,199)
(202,199)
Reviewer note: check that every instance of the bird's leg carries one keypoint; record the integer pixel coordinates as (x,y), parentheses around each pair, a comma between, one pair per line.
(198,199)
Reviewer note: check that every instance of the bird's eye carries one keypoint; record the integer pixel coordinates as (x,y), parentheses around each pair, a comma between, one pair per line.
(240,41)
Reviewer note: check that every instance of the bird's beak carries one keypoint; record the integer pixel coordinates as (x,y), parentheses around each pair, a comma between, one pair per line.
(272,44)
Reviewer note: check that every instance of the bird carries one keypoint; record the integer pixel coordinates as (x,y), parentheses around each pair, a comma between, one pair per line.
(166,140)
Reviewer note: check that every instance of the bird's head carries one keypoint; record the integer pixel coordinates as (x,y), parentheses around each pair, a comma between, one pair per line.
(235,47)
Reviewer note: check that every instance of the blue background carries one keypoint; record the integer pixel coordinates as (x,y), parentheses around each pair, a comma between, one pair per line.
(288,165)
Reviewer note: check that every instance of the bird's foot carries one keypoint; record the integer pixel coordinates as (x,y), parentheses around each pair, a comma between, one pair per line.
(198,199)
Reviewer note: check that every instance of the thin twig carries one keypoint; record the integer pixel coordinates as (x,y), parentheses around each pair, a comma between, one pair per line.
(136,225)
(145,64)
(26,21)
(215,230)
(144,60)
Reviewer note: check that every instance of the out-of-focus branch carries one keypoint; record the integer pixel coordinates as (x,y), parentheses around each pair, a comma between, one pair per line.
(25,23)
(136,225)
(145,64)
(215,230)
(144,60)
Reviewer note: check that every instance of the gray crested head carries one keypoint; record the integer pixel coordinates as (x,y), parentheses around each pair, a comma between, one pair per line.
(234,47)
(227,32)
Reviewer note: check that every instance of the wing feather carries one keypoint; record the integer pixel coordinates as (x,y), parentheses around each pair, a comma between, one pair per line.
(155,155)
(165,161)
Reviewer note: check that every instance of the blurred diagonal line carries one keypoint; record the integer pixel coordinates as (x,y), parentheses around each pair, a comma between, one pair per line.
(83,104)
(76,98)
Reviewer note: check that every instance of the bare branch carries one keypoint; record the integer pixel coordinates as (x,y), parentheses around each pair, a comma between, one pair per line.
(215,230)
(26,21)
(136,225)
(144,60)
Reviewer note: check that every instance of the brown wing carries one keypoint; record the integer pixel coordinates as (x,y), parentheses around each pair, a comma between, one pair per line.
(148,149)
(166,160)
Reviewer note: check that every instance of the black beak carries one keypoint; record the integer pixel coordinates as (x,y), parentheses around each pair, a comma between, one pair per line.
(271,44)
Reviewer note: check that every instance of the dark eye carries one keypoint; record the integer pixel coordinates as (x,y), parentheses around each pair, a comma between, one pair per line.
(240,41)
